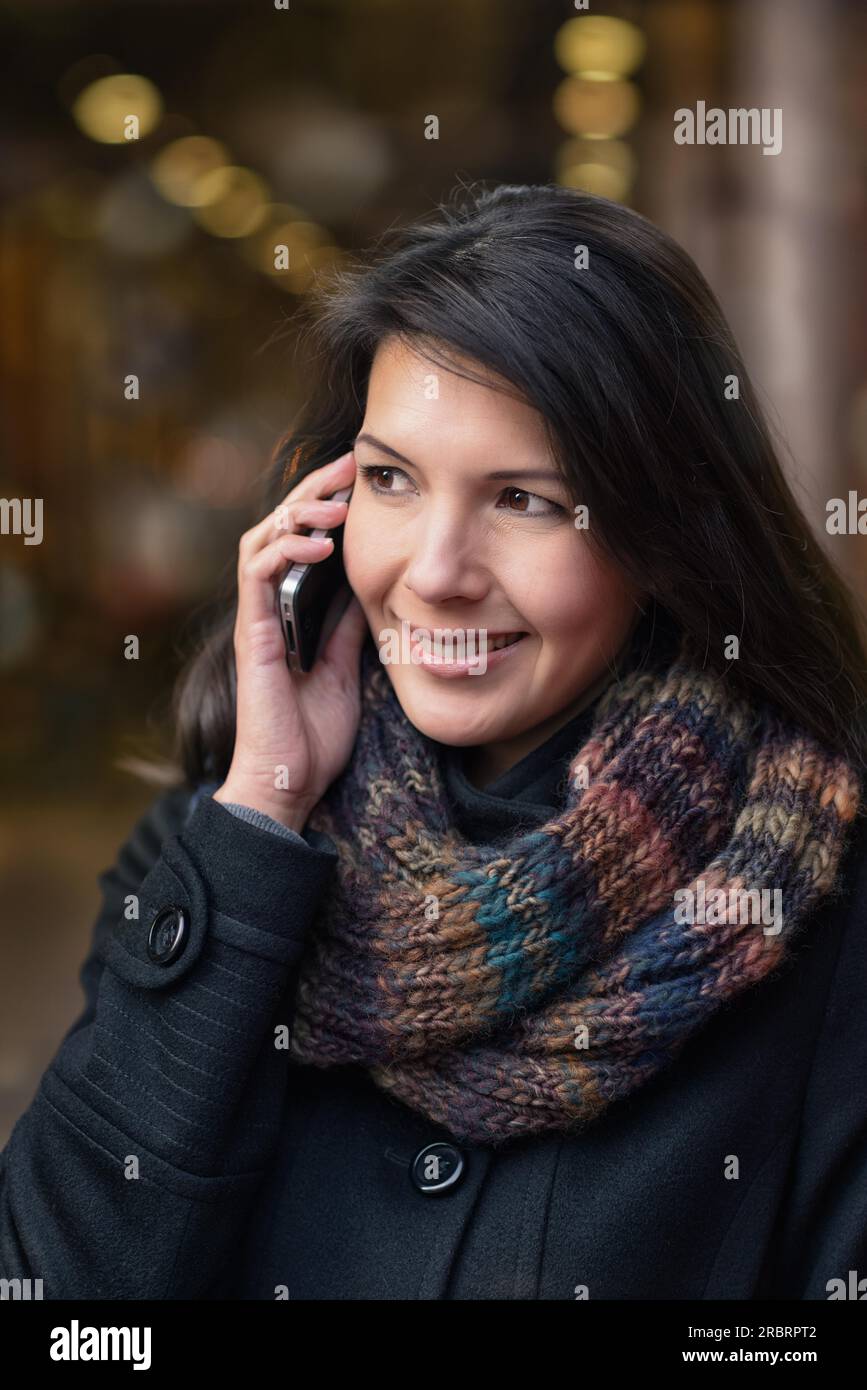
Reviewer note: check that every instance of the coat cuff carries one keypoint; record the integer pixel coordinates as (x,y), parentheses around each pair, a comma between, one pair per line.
(254,874)
(274,827)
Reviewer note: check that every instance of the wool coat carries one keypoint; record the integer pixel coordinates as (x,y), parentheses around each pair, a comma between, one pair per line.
(173,1151)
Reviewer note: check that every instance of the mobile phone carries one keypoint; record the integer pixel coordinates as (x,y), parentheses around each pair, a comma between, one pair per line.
(307,601)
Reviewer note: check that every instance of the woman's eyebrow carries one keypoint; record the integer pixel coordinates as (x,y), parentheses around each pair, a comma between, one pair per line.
(545,474)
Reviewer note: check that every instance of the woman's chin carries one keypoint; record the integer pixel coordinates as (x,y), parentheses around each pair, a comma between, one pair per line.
(448,716)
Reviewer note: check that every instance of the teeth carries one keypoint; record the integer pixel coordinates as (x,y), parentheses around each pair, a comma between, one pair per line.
(492,644)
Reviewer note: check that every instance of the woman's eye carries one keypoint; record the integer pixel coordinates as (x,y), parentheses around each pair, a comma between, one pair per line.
(371,471)
(547,508)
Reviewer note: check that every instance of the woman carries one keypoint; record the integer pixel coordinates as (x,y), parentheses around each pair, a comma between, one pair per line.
(540,980)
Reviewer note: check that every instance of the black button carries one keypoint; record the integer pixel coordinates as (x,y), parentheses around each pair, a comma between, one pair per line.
(437,1168)
(169,933)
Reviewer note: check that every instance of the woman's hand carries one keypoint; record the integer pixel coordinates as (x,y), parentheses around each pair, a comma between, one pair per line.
(294,731)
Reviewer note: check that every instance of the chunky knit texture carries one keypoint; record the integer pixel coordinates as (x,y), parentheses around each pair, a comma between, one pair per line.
(503,992)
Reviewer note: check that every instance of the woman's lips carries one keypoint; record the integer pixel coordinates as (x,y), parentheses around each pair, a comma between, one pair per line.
(471,658)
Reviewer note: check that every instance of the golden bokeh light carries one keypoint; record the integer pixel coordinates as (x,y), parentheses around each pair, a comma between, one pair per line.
(103,109)
(598,45)
(606,167)
(596,108)
(180,171)
(614,154)
(317,262)
(291,249)
(233,201)
(600,179)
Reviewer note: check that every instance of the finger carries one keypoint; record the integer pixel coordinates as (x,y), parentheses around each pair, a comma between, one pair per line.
(256,575)
(289,518)
(323,481)
(339,473)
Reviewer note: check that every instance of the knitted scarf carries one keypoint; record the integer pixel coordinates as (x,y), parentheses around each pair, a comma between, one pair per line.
(514,990)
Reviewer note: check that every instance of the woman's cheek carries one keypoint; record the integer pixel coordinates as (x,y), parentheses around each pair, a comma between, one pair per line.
(553,595)
(364,571)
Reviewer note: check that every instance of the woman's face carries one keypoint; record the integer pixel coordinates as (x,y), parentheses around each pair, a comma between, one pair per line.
(436,541)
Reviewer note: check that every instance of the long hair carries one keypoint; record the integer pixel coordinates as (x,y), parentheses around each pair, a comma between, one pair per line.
(606,326)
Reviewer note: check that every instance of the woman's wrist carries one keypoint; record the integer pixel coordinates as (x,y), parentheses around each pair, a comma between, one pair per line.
(286,810)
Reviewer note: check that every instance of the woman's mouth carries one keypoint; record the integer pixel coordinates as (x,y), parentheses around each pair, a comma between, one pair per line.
(463,651)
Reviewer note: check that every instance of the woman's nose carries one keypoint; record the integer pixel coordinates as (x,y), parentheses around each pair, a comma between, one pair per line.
(444,560)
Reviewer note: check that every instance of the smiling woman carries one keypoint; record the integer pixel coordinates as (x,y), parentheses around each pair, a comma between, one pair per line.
(414,932)
(453,552)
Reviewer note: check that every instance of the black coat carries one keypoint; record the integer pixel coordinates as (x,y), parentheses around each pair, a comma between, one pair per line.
(172,1151)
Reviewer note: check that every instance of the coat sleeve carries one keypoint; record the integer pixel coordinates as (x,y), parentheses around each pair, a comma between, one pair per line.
(131,1173)
(821,1250)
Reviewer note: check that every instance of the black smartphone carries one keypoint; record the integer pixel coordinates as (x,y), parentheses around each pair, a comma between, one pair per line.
(310,598)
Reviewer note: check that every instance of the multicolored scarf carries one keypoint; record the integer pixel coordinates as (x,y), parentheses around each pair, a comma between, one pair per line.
(508,991)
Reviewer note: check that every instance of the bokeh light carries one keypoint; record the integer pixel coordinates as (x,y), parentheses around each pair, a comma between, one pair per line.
(180,170)
(599,44)
(597,108)
(233,201)
(606,167)
(101,111)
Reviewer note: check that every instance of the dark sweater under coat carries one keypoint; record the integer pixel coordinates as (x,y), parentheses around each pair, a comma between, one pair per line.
(259,1178)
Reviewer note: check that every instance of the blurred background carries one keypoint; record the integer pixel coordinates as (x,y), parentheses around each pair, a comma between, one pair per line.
(175,176)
